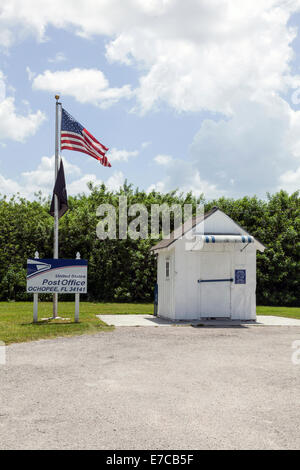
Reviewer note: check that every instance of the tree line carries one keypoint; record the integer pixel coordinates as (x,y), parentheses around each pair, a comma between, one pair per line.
(125,270)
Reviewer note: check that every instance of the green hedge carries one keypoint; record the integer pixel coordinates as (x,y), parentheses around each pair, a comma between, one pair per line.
(124,270)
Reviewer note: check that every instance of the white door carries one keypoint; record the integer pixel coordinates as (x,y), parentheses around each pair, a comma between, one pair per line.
(215,285)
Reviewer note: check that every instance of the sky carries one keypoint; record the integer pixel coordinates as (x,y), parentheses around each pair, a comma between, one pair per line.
(194,95)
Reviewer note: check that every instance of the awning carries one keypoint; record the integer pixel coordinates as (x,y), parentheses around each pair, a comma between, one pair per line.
(226,238)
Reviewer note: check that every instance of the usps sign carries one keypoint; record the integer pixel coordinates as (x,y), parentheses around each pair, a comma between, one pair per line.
(57,276)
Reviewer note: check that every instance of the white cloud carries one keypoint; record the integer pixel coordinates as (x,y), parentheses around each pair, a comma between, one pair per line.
(145,144)
(85,85)
(183,175)
(115,155)
(253,152)
(43,176)
(115,181)
(208,55)
(193,58)
(42,179)
(193,184)
(59,57)
(290,180)
(30,74)
(8,186)
(160,186)
(163,159)
(211,55)
(19,19)
(15,126)
(198,57)
(249,152)
(80,185)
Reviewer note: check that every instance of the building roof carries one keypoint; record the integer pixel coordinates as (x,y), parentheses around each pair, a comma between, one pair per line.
(187,226)
(176,234)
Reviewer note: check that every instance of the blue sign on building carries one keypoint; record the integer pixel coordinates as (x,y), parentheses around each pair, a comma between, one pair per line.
(240,276)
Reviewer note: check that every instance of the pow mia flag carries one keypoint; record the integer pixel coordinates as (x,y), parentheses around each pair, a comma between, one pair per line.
(61,193)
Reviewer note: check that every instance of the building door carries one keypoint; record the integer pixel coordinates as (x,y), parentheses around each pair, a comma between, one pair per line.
(215,285)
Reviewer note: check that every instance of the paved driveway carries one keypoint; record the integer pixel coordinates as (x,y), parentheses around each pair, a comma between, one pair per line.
(153,388)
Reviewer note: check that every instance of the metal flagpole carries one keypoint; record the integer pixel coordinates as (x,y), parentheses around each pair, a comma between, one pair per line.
(57,148)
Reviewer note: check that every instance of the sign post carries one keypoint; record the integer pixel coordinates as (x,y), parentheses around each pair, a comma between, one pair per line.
(35,298)
(77,299)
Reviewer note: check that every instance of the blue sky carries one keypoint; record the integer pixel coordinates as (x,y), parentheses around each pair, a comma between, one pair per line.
(202,97)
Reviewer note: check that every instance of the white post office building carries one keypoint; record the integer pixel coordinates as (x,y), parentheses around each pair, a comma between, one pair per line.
(208,271)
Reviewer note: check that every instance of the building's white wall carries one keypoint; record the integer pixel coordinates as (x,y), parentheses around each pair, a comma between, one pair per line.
(215,297)
(186,286)
(165,286)
(243,296)
(180,297)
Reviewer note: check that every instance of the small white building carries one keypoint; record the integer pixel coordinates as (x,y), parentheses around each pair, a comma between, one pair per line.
(207,270)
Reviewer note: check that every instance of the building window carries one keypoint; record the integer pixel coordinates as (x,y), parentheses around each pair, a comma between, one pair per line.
(167,268)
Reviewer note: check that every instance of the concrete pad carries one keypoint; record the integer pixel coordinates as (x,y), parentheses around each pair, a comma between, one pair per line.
(134,320)
(276,321)
(150,320)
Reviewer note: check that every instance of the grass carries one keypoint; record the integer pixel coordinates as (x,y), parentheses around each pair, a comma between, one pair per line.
(16,319)
(289,312)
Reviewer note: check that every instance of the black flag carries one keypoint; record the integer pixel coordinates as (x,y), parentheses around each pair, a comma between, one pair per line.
(61,193)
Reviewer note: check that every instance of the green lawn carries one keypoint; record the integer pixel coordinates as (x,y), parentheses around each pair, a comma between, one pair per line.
(290,312)
(16,319)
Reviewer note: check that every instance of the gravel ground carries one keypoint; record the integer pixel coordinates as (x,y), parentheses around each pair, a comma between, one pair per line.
(153,388)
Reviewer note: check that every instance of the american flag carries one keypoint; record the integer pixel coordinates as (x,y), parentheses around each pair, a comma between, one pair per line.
(75,137)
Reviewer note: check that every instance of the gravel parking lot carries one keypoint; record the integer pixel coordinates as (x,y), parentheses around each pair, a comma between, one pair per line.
(153,388)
